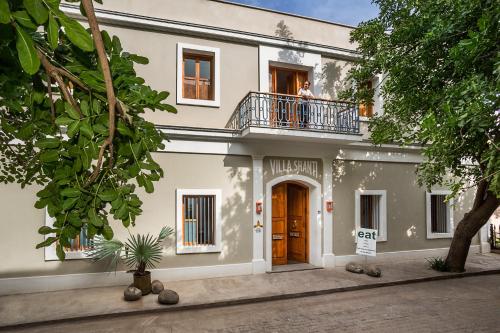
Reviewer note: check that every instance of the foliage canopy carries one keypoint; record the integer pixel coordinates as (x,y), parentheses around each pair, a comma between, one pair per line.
(58,97)
(440,62)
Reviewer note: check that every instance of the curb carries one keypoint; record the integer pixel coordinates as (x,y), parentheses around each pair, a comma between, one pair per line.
(253,300)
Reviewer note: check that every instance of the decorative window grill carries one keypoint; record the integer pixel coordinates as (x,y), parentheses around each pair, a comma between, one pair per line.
(199,219)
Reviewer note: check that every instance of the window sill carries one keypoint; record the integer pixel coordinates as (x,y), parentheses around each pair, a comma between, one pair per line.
(198,249)
(77,255)
(439,236)
(198,102)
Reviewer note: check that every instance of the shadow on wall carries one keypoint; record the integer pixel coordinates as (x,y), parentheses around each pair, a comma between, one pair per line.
(331,73)
(288,56)
(236,208)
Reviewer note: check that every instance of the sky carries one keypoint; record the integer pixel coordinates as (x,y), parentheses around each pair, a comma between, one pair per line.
(350,12)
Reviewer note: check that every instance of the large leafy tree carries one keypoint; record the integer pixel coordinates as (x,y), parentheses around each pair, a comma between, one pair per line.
(440,60)
(71,108)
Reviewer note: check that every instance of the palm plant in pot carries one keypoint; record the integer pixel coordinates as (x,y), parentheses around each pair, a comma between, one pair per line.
(139,253)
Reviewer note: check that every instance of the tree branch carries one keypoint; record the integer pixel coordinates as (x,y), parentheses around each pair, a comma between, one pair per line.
(110,93)
(52,70)
(480,193)
(49,91)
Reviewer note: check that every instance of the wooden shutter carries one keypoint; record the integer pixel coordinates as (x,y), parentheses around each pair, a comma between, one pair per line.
(198,77)
(366,110)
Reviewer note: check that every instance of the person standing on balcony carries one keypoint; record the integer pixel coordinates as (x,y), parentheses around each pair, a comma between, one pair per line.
(304,107)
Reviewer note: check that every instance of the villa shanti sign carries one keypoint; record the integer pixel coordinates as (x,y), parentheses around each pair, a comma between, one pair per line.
(278,166)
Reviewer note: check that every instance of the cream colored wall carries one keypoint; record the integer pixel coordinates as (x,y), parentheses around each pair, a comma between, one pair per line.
(333,74)
(239,74)
(20,220)
(406,210)
(235,17)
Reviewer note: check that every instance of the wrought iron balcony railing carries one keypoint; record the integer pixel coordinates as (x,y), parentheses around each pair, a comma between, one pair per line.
(270,110)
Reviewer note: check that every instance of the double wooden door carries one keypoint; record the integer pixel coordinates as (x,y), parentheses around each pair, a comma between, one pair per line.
(290,228)
(285,84)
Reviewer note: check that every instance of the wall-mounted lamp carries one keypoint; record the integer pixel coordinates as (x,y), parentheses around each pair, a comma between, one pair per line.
(258,207)
(329,206)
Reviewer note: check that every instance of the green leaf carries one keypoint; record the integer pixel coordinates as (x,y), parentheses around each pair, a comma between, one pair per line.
(148,185)
(139,59)
(86,129)
(60,252)
(48,143)
(4,12)
(24,19)
(123,129)
(70,192)
(45,230)
(108,195)
(94,219)
(69,203)
(37,10)
(122,212)
(70,110)
(107,232)
(49,241)
(73,128)
(52,32)
(63,120)
(26,51)
(84,107)
(77,34)
(49,156)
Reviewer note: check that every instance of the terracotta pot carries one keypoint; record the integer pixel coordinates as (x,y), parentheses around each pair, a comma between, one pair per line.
(143,282)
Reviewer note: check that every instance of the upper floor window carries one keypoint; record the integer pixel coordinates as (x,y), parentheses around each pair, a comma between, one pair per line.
(197,82)
(366,110)
(439,215)
(198,75)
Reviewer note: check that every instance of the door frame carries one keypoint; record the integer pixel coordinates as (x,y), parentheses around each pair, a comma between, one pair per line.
(315,223)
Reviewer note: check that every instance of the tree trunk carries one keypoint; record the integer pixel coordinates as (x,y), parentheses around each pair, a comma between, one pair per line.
(484,207)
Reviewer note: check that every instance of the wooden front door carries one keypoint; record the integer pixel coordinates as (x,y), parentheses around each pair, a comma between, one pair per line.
(289,223)
(297,223)
(279,225)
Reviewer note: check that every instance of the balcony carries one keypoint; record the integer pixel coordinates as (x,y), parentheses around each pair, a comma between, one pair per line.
(269,113)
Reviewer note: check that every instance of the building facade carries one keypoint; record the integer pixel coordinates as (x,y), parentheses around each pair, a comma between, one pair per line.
(255,176)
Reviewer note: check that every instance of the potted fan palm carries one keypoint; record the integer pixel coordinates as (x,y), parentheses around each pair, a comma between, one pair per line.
(139,253)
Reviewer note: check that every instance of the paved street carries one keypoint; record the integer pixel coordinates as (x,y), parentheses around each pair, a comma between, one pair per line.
(459,305)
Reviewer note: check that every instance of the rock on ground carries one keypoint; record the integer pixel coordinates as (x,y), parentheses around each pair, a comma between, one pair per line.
(156,287)
(354,268)
(132,294)
(373,270)
(168,297)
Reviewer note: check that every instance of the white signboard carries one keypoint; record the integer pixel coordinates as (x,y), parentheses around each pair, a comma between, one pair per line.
(366,242)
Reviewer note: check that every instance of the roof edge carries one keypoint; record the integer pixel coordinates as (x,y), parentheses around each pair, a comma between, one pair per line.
(229,2)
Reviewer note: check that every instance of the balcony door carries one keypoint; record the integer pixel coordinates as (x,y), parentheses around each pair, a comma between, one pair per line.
(285,81)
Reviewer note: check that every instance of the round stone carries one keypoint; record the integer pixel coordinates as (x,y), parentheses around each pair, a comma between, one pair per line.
(354,268)
(156,287)
(132,294)
(168,297)
(374,271)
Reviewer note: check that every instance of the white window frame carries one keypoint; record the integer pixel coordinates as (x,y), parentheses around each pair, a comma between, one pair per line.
(181,248)
(50,251)
(449,206)
(382,232)
(181,47)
